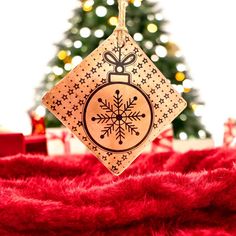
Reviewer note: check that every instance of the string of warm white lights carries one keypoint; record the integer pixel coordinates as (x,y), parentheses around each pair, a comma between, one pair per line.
(101,11)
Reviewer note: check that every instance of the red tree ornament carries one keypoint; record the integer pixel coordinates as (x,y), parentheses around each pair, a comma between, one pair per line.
(37,122)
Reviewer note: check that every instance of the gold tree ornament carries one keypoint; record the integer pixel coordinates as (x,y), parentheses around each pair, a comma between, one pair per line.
(115,101)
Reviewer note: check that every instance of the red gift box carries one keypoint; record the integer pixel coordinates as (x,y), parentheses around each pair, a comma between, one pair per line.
(164,141)
(11,144)
(61,141)
(64,136)
(36,144)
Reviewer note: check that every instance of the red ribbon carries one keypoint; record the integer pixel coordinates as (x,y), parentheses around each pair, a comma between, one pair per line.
(64,137)
(164,141)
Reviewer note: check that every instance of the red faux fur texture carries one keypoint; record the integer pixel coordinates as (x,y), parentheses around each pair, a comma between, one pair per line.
(159,194)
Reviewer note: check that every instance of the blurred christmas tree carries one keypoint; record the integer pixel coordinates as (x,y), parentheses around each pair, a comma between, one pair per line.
(94,21)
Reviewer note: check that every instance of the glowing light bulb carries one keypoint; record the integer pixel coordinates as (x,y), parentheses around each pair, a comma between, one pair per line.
(137,3)
(161,51)
(181,67)
(179,76)
(85,32)
(77,44)
(150,17)
(67,59)
(148,44)
(40,111)
(68,43)
(183,136)
(187,83)
(164,38)
(68,66)
(202,134)
(199,110)
(180,88)
(88,5)
(76,60)
(62,55)
(99,33)
(138,37)
(152,28)
(101,11)
(57,70)
(187,90)
(110,2)
(113,20)
(154,58)
(159,16)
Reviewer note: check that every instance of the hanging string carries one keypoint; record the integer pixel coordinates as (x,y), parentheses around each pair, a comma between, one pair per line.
(122,4)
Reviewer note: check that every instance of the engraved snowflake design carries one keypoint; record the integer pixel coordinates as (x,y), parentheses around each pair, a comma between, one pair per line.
(118,117)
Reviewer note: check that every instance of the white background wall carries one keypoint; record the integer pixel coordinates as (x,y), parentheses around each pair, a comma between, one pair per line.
(204,30)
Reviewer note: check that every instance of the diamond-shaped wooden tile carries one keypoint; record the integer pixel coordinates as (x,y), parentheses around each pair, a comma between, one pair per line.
(115,101)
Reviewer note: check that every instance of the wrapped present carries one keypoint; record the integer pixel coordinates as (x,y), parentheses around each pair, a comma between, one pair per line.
(61,141)
(230,132)
(36,144)
(11,144)
(164,141)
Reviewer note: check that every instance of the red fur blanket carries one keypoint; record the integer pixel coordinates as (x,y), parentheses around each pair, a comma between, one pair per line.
(159,194)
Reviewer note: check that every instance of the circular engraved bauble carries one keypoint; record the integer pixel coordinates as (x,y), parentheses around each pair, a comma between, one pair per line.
(118,117)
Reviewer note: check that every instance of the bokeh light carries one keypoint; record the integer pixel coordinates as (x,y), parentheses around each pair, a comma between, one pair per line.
(148,44)
(164,38)
(88,5)
(77,44)
(152,28)
(181,67)
(62,55)
(179,76)
(99,33)
(113,20)
(154,58)
(137,3)
(68,66)
(76,60)
(110,2)
(101,11)
(159,16)
(202,134)
(161,51)
(138,37)
(57,70)
(183,136)
(85,32)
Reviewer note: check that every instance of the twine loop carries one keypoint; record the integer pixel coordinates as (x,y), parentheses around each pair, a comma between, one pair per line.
(121,27)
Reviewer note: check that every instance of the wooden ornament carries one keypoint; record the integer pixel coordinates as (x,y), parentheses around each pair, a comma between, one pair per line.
(115,101)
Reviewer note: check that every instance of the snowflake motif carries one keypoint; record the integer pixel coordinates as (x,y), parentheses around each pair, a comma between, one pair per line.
(118,117)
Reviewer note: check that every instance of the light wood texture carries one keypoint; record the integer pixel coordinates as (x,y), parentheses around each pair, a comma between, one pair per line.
(116,102)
